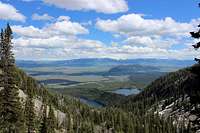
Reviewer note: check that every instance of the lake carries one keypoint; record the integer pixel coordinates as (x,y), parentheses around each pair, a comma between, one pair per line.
(91,103)
(122,91)
(127,91)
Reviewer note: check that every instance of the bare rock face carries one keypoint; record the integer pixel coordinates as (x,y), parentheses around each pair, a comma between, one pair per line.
(38,107)
(180,114)
(60,116)
(22,96)
(193,118)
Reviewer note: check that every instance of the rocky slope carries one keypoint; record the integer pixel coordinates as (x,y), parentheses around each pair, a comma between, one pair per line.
(176,95)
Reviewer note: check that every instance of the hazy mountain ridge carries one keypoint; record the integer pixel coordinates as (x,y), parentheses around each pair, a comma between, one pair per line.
(121,70)
(104,61)
(131,69)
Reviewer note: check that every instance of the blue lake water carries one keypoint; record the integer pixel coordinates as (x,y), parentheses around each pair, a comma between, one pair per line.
(122,91)
(127,91)
(91,103)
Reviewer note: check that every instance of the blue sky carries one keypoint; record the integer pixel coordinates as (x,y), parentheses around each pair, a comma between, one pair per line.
(121,29)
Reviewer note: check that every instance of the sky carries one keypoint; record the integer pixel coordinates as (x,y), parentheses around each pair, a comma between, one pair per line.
(119,29)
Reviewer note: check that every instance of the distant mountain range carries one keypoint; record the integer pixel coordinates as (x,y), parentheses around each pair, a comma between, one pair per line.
(104,62)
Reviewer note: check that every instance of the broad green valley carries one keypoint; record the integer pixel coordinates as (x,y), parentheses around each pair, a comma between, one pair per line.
(93,79)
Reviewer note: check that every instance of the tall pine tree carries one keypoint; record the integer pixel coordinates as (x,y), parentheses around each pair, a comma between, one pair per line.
(30,112)
(43,127)
(51,121)
(10,106)
(196,35)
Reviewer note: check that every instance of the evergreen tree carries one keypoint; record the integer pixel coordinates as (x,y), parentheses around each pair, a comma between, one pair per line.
(43,128)
(30,113)
(69,123)
(10,106)
(196,46)
(51,121)
(1,50)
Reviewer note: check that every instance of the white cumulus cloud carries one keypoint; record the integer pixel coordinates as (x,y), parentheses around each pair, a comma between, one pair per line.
(103,6)
(139,31)
(62,27)
(43,17)
(8,12)
(135,24)
(152,42)
(61,40)
(65,26)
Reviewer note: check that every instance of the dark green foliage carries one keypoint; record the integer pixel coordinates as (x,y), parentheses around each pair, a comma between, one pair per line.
(51,121)
(10,106)
(43,127)
(30,117)
(173,85)
(196,35)
(177,87)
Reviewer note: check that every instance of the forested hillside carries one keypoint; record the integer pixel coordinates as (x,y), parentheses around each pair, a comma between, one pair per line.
(176,95)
